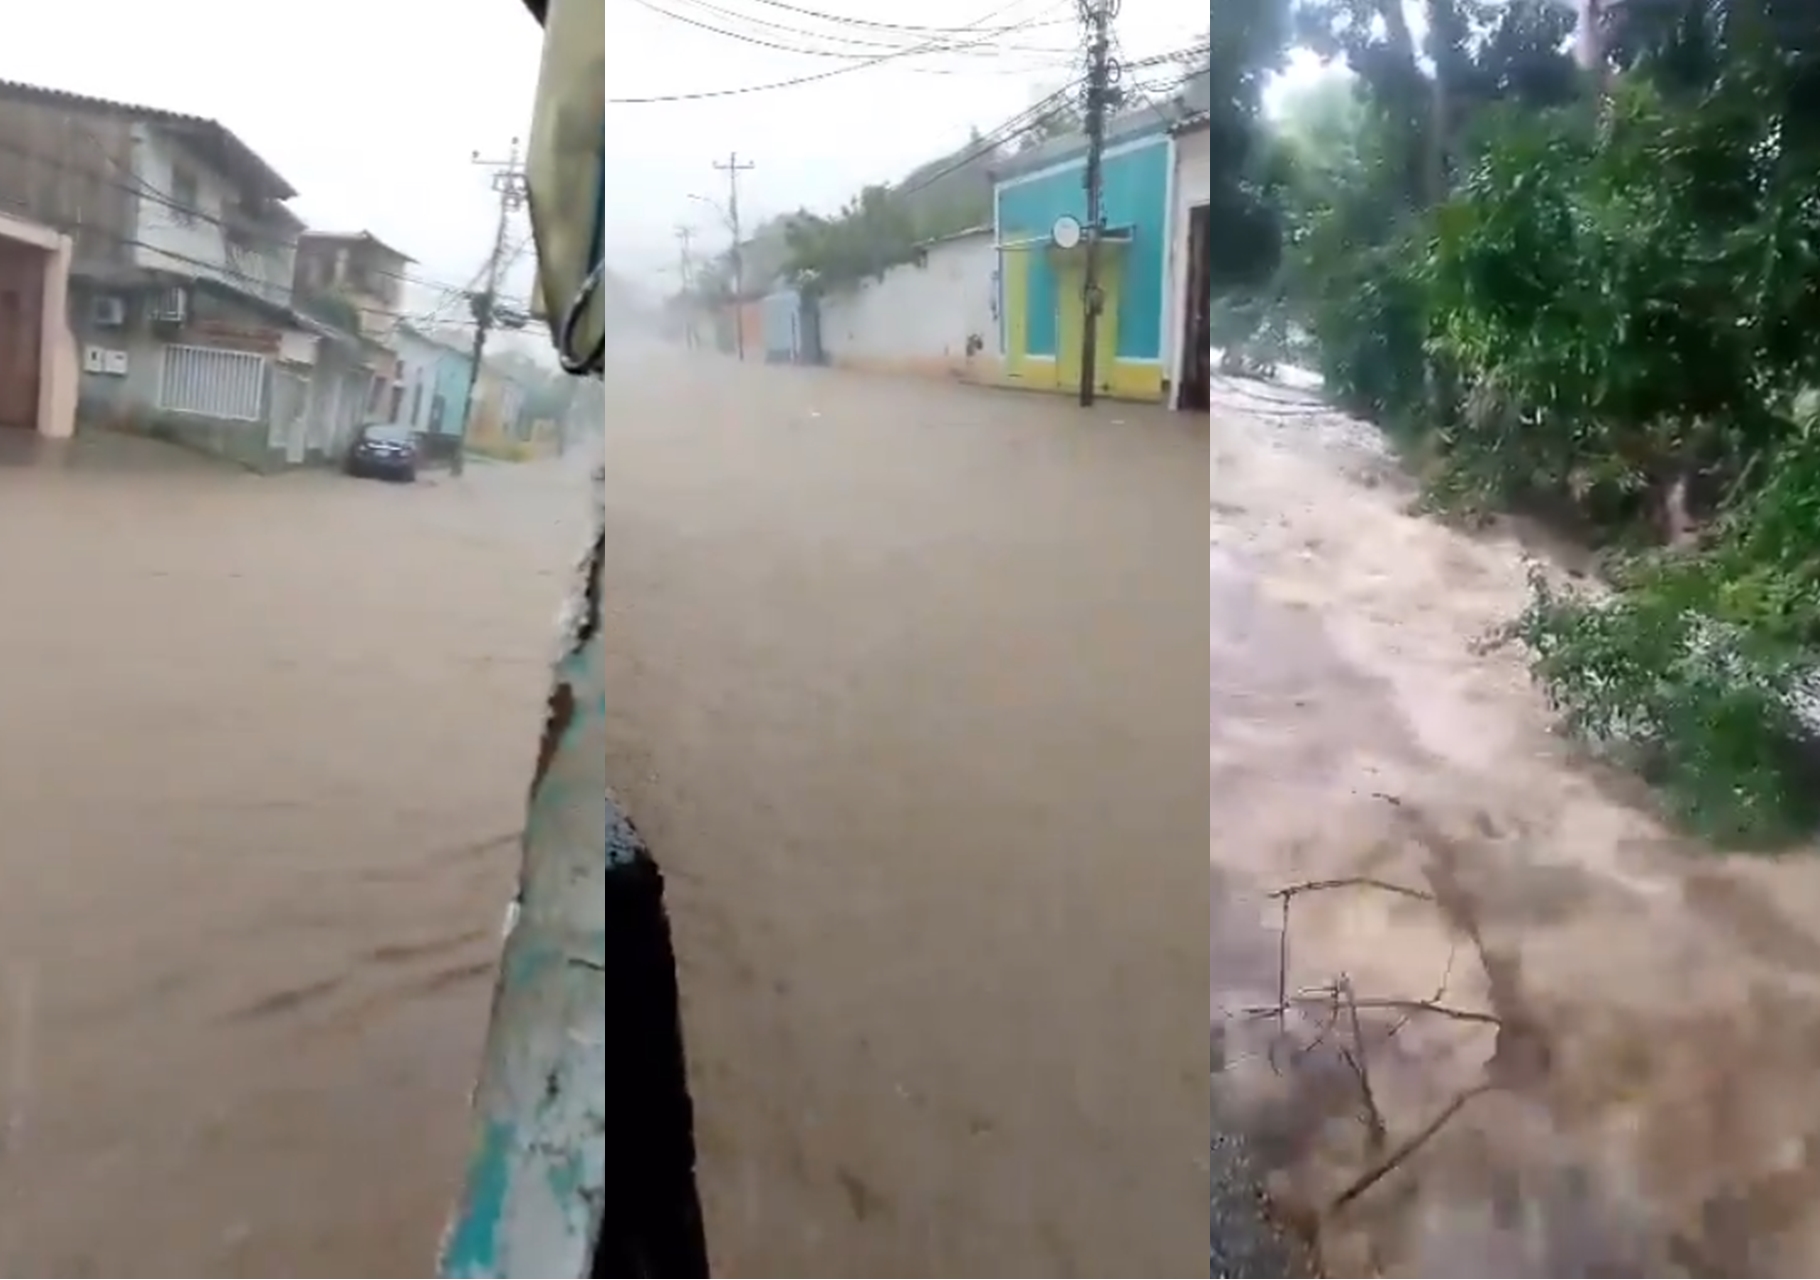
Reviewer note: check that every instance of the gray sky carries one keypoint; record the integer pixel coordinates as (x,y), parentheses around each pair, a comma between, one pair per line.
(372,108)
(815,144)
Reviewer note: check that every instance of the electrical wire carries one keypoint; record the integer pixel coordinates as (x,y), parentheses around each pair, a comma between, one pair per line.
(868,24)
(451,296)
(855,47)
(988,145)
(256,286)
(145,191)
(1168,110)
(936,46)
(1030,118)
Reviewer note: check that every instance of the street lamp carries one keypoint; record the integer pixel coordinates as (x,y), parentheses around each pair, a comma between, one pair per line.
(717,206)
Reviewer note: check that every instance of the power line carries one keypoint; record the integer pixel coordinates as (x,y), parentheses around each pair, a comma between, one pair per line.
(988,144)
(145,191)
(869,24)
(1031,117)
(857,49)
(256,287)
(935,46)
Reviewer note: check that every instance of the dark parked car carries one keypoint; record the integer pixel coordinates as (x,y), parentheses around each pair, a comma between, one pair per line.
(383,452)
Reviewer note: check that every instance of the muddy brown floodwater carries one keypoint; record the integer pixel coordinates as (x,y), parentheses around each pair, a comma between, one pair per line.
(906,705)
(266,744)
(1654,1107)
(904,682)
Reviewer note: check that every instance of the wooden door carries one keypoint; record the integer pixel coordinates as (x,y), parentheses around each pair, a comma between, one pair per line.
(21,314)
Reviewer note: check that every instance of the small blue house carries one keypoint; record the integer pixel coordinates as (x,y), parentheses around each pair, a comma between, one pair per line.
(791,334)
(432,387)
(1041,284)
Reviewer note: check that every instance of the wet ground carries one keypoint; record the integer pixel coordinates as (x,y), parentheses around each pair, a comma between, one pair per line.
(266,743)
(1657,1004)
(907,714)
(905,709)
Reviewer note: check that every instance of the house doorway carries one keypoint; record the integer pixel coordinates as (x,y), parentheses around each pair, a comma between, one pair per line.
(21,334)
(1196,390)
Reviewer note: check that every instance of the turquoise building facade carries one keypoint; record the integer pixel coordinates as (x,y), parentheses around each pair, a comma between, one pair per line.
(1040,286)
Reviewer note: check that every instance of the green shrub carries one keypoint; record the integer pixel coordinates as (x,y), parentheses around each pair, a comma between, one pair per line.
(1684,675)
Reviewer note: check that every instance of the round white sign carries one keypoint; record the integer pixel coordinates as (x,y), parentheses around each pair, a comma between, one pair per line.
(1066,232)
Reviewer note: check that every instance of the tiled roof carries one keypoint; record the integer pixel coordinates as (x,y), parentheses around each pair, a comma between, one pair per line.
(356,237)
(234,153)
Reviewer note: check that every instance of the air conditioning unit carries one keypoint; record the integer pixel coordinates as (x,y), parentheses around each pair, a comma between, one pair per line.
(107,312)
(170,306)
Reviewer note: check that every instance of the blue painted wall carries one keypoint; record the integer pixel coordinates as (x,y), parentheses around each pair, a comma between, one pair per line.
(441,370)
(782,313)
(1136,195)
(452,385)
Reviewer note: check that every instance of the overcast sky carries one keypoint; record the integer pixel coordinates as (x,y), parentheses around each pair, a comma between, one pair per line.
(372,108)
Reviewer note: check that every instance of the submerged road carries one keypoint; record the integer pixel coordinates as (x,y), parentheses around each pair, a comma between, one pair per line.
(905,702)
(906,705)
(266,748)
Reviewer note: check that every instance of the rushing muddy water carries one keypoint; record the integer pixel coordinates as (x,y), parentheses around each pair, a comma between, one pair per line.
(902,700)
(266,747)
(1656,1100)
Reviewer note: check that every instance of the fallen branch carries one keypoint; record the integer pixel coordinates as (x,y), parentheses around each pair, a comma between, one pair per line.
(1351,882)
(1343,999)
(1325,996)
(1287,895)
(1356,1058)
(1390,1163)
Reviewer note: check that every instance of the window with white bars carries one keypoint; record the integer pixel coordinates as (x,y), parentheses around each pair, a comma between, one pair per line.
(212,383)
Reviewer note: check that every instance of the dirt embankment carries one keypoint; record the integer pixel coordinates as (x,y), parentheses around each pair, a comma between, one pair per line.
(1530,1030)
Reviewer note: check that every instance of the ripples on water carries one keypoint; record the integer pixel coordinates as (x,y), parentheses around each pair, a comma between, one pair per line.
(1357,730)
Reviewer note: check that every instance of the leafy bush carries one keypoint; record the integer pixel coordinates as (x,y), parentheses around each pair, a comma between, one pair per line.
(1698,667)
(1705,710)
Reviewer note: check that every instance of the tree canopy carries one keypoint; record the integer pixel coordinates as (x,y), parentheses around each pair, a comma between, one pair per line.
(1576,273)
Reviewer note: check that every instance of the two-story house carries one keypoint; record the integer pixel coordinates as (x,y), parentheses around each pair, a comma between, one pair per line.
(182,260)
(355,278)
(357,269)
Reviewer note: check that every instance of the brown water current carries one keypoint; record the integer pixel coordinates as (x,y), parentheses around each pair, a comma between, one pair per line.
(1647,1012)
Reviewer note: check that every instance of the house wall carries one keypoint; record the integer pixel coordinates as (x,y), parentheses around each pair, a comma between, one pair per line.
(498,404)
(368,280)
(417,361)
(1040,290)
(741,321)
(71,170)
(428,370)
(782,325)
(1192,184)
(452,372)
(932,317)
(333,379)
(214,241)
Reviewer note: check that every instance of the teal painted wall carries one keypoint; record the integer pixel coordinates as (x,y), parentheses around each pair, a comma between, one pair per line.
(1136,195)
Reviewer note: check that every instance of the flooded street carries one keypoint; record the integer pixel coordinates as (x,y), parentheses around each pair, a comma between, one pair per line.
(899,676)
(903,673)
(267,745)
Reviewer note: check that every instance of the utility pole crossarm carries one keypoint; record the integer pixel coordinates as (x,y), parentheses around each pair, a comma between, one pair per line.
(508,181)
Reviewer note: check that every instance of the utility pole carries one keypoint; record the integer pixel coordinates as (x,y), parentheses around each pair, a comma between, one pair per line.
(1096,16)
(508,179)
(686,267)
(733,168)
